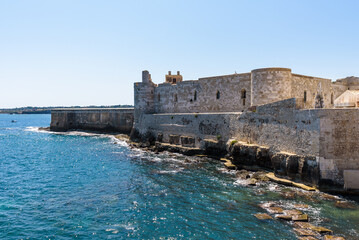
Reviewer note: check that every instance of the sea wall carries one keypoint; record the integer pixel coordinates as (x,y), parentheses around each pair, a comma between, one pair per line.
(316,145)
(97,119)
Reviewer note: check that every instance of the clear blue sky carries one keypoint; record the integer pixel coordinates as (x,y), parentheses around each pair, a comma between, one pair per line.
(88,52)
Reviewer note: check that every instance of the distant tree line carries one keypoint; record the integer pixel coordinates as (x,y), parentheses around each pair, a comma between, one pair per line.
(42,110)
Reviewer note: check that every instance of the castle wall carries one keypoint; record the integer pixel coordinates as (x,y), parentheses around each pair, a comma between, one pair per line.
(99,119)
(281,127)
(180,98)
(339,149)
(198,126)
(312,86)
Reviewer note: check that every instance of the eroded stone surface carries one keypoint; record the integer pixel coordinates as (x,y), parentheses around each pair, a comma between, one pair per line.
(302,218)
(262,216)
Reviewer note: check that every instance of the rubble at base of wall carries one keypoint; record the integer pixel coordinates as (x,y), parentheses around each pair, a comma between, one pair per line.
(292,166)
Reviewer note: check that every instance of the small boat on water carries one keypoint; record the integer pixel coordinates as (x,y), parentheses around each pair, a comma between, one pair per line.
(13,121)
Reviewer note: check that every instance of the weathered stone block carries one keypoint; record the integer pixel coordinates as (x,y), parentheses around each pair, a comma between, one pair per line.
(187,141)
(174,139)
(160,137)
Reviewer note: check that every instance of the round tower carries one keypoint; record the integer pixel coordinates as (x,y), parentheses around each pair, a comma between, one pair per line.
(270,85)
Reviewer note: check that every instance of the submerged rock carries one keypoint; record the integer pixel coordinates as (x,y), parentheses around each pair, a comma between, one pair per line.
(301,218)
(252,182)
(345,204)
(284,217)
(267,205)
(307,225)
(243,174)
(330,237)
(301,206)
(275,210)
(305,232)
(293,212)
(308,238)
(262,216)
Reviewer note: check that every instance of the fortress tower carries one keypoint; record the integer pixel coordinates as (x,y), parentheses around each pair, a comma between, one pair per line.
(270,85)
(144,95)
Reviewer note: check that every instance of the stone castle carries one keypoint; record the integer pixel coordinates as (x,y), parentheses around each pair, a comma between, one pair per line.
(302,126)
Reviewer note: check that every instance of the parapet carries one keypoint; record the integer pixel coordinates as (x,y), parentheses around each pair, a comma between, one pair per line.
(273,69)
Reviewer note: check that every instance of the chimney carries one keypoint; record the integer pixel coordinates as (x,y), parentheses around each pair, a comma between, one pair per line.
(169,72)
(178,72)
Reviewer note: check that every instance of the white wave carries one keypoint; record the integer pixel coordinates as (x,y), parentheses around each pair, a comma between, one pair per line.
(125,226)
(36,129)
(170,171)
(242,182)
(226,170)
(118,141)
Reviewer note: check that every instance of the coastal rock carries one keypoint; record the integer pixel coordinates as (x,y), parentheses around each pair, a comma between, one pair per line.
(329,197)
(260,176)
(292,212)
(303,206)
(322,230)
(275,210)
(267,205)
(306,225)
(230,165)
(304,232)
(243,174)
(308,238)
(345,204)
(303,225)
(262,216)
(288,195)
(330,237)
(284,217)
(302,218)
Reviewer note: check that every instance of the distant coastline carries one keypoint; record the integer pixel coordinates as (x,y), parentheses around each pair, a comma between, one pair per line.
(47,110)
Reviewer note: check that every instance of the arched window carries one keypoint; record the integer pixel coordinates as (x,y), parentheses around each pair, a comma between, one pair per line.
(332,98)
(305,96)
(218,95)
(175,98)
(243,96)
(195,96)
(159,97)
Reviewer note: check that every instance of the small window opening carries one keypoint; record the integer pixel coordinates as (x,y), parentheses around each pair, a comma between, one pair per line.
(243,96)
(174,81)
(195,96)
(305,96)
(175,98)
(332,98)
(243,93)
(159,97)
(218,95)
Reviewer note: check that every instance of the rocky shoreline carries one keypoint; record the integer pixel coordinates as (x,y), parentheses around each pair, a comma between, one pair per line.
(295,215)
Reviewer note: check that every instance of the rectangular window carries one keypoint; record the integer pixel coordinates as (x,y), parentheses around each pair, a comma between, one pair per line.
(305,96)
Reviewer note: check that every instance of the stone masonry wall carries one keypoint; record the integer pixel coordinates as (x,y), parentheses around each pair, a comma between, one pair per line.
(339,149)
(312,86)
(281,127)
(214,94)
(118,120)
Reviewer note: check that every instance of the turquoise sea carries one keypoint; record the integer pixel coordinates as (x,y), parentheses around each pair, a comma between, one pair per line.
(88,186)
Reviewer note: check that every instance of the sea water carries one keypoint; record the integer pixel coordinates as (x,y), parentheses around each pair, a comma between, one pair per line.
(86,186)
